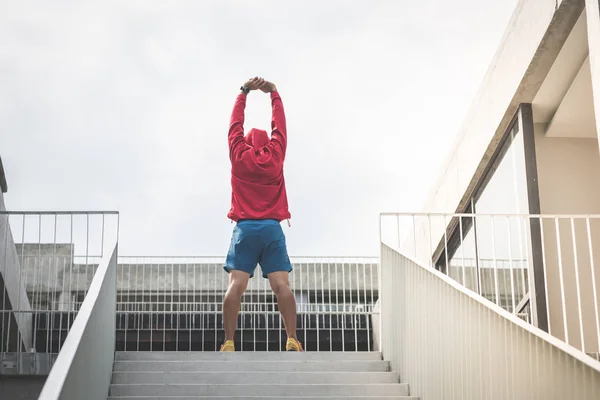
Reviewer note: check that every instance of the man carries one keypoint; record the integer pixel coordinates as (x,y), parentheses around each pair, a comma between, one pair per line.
(258,205)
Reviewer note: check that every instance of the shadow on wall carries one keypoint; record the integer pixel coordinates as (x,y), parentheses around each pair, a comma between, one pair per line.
(21,387)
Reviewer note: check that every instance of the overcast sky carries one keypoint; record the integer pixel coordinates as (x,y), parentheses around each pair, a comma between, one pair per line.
(124,105)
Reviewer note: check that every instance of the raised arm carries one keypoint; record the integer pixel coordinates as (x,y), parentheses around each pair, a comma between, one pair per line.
(236,126)
(278,124)
(236,123)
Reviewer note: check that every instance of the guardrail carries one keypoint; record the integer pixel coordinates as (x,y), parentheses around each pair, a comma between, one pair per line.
(543,268)
(449,343)
(175,303)
(83,368)
(47,263)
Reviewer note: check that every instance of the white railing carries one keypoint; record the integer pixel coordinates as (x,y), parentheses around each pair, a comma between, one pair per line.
(48,261)
(543,268)
(447,342)
(83,368)
(175,303)
(247,307)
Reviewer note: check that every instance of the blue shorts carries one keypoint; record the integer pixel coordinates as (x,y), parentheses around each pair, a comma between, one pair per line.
(258,242)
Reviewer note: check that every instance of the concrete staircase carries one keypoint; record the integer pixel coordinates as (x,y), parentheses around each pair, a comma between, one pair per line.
(254,375)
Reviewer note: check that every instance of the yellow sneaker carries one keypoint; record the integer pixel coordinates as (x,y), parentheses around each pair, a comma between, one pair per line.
(293,345)
(228,346)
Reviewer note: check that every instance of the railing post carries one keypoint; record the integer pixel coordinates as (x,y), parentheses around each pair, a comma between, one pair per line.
(381,304)
(380,291)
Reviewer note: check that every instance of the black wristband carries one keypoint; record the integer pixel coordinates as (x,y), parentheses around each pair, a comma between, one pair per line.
(245,89)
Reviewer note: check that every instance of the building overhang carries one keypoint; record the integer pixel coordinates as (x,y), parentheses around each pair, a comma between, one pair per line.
(564,102)
(534,39)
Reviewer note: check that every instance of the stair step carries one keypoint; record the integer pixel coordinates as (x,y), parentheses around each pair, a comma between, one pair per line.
(259,378)
(257,339)
(265,390)
(250,365)
(246,356)
(262,397)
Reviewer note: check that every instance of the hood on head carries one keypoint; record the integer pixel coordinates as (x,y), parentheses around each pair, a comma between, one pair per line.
(257,138)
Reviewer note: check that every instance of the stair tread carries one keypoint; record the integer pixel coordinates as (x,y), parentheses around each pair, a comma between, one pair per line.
(216,377)
(262,397)
(267,389)
(258,384)
(249,366)
(250,355)
(257,375)
(247,362)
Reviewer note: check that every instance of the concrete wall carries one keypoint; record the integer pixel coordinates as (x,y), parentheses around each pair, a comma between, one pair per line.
(52,284)
(51,268)
(51,273)
(21,387)
(182,277)
(53,278)
(568,177)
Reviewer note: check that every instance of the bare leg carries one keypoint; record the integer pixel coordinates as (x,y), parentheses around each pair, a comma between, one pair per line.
(285,299)
(238,281)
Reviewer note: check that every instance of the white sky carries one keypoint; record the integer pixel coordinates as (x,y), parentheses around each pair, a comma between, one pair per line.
(124,105)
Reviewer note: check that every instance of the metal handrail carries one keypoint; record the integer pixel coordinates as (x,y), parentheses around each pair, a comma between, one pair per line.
(13,212)
(328,287)
(83,368)
(466,215)
(49,259)
(561,247)
(223,257)
(448,341)
(574,352)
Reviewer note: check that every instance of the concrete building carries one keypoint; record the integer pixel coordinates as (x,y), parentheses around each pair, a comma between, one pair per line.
(56,280)
(529,146)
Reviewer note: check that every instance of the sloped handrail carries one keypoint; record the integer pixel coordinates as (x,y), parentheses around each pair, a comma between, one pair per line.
(448,342)
(83,368)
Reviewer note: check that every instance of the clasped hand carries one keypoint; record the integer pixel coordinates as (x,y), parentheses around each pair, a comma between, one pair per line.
(258,83)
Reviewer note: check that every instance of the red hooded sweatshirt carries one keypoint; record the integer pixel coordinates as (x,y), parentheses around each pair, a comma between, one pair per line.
(257,182)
